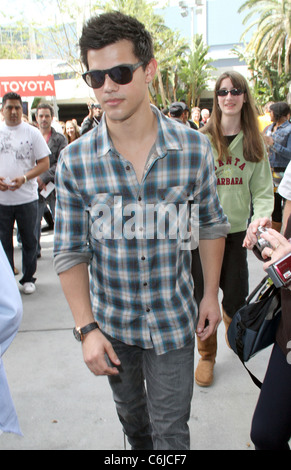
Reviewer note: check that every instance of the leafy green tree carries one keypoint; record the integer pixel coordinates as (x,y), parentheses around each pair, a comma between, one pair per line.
(196,71)
(267,85)
(170,52)
(272,36)
(15,42)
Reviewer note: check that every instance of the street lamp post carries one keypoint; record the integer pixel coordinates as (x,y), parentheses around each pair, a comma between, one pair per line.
(198,7)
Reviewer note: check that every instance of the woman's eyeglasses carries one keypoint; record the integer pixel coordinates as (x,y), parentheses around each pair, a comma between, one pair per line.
(121,74)
(233,92)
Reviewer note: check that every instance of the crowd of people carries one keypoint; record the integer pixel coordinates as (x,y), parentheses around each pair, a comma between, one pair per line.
(141,307)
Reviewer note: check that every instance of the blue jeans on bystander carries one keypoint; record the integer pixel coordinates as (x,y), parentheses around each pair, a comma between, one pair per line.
(26,217)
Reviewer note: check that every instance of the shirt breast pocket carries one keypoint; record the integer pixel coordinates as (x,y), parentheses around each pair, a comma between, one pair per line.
(175,212)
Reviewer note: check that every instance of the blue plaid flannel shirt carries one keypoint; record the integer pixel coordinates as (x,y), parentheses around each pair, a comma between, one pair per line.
(141,287)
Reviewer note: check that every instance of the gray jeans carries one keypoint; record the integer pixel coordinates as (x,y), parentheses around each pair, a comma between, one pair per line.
(153,396)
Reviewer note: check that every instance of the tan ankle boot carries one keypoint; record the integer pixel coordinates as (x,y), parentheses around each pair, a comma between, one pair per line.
(227,321)
(204,370)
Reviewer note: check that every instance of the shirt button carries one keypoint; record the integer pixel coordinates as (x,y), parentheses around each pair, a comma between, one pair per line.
(143,258)
(145,284)
(139,198)
(148,310)
(127,167)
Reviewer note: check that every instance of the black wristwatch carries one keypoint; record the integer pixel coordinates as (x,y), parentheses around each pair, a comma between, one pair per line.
(80,332)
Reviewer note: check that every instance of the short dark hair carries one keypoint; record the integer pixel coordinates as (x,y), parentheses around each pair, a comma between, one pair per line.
(45,106)
(108,28)
(11,96)
(280,109)
(177,109)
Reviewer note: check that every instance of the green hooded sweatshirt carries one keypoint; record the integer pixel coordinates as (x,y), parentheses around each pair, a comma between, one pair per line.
(240,182)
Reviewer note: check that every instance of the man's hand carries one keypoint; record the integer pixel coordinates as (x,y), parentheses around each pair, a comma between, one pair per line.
(95,349)
(16,183)
(209,317)
(3,185)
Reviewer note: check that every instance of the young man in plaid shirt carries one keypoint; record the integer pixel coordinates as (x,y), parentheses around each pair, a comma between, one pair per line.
(135,315)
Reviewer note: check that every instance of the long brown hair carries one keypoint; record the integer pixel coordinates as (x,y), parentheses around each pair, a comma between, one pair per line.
(253,146)
(77,132)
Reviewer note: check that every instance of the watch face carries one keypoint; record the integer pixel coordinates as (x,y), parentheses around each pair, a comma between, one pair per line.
(77,334)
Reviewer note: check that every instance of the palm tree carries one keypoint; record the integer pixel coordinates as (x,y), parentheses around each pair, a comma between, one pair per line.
(272,37)
(267,83)
(170,51)
(196,71)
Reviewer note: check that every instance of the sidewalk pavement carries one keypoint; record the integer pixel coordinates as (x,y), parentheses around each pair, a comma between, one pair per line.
(61,405)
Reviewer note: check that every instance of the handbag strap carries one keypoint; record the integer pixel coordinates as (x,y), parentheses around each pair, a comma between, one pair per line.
(256,381)
(239,347)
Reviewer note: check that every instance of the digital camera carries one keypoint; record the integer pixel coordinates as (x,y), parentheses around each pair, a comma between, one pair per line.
(261,242)
(280,271)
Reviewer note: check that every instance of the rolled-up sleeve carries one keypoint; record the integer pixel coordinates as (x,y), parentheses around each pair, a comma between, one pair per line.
(71,244)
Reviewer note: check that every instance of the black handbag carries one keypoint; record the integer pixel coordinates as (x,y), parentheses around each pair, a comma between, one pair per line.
(254,325)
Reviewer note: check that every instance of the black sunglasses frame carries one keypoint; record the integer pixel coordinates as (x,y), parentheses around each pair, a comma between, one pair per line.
(92,82)
(223,92)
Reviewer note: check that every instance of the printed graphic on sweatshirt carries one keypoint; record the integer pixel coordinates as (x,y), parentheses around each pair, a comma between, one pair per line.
(229,172)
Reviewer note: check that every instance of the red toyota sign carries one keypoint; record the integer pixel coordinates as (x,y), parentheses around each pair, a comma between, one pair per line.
(28,86)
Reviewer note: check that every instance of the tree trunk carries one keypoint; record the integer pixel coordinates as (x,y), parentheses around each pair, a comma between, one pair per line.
(161,86)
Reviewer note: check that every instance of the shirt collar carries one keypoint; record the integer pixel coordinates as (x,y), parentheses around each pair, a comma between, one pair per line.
(167,137)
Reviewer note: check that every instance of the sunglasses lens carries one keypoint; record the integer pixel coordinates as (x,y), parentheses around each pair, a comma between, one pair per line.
(95,79)
(222,92)
(233,92)
(236,92)
(121,74)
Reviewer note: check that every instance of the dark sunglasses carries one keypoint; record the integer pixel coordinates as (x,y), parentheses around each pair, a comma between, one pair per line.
(121,74)
(233,92)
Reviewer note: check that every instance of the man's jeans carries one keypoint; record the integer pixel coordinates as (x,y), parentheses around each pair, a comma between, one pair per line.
(153,396)
(42,203)
(26,216)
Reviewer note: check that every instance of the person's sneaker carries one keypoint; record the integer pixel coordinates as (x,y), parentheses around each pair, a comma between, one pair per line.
(28,288)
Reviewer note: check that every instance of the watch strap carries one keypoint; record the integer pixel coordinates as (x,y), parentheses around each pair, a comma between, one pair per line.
(80,332)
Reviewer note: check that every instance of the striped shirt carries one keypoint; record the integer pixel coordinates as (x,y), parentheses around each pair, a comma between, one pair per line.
(141,284)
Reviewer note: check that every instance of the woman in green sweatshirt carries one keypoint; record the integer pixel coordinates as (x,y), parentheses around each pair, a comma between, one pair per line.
(243,179)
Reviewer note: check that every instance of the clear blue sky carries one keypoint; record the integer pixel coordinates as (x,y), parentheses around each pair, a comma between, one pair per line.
(224,24)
